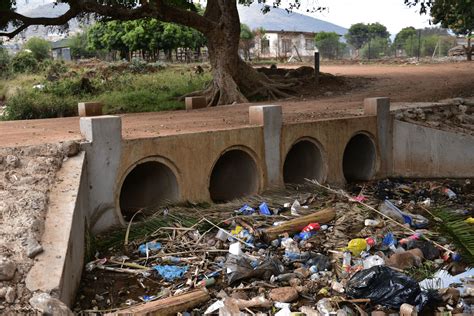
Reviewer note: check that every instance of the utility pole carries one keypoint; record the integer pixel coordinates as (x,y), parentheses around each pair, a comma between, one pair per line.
(369,48)
(419,44)
(316,67)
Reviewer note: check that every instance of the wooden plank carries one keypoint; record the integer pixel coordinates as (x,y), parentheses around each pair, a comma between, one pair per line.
(167,306)
(296,225)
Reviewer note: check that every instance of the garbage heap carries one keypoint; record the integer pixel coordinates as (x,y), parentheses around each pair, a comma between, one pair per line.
(307,251)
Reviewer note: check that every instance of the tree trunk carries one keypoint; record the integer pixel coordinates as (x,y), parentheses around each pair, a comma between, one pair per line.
(234,81)
(468,49)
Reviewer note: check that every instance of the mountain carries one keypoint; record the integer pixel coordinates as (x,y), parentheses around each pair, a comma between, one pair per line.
(279,19)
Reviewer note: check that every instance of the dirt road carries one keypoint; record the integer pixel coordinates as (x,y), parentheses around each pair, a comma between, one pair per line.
(402,83)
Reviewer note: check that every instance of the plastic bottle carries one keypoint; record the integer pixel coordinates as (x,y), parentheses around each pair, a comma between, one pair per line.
(372,223)
(346,261)
(451,195)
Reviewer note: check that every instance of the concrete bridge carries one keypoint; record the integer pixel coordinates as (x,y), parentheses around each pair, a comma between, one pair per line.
(114,177)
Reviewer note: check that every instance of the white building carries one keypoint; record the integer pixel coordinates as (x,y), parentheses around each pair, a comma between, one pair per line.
(287,34)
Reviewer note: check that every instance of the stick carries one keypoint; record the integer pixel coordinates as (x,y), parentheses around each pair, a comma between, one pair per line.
(167,306)
(296,225)
(342,193)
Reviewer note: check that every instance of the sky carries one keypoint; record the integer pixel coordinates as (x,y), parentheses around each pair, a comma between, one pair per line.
(391,13)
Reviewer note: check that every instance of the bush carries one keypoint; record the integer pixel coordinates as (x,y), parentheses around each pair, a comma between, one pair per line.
(24,62)
(39,47)
(379,47)
(36,104)
(4,62)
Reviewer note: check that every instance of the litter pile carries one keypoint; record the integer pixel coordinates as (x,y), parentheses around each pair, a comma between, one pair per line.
(310,250)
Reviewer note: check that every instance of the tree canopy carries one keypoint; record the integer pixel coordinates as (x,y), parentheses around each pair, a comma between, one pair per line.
(360,33)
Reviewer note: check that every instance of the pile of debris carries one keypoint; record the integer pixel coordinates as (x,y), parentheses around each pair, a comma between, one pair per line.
(452,115)
(306,251)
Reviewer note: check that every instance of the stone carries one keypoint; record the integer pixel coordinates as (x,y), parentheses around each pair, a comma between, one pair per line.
(7,269)
(193,103)
(3,292)
(10,295)
(89,109)
(33,248)
(12,161)
(286,294)
(70,148)
(44,303)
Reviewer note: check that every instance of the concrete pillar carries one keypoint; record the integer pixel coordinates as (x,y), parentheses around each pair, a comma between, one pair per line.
(103,154)
(270,117)
(380,107)
(89,108)
(193,103)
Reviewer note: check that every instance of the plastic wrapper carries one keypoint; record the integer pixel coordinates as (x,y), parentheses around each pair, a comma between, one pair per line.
(386,287)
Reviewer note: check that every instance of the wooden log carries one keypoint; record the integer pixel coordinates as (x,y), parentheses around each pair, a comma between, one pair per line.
(167,306)
(296,225)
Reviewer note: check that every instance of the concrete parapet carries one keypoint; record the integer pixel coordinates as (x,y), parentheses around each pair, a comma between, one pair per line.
(193,103)
(89,108)
(104,147)
(380,107)
(270,117)
(424,152)
(58,268)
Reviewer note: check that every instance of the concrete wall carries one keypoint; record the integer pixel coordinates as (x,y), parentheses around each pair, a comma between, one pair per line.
(58,268)
(333,136)
(424,152)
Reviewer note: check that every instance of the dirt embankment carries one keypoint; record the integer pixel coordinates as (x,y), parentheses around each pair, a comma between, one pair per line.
(26,176)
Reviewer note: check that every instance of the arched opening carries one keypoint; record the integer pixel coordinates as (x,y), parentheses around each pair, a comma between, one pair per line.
(359,158)
(234,175)
(148,185)
(303,161)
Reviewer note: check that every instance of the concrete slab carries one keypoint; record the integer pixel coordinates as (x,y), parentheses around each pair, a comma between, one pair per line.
(89,109)
(58,269)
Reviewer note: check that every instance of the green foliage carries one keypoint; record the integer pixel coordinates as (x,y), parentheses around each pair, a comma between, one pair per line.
(376,48)
(39,47)
(4,62)
(129,87)
(246,33)
(360,33)
(23,62)
(328,45)
(146,35)
(461,232)
(403,36)
(31,104)
(79,46)
(357,35)
(458,15)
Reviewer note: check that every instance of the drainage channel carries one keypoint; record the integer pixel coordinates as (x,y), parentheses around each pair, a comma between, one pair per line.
(235,174)
(305,160)
(147,185)
(359,158)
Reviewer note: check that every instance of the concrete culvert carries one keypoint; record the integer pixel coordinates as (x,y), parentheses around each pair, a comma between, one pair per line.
(359,158)
(304,160)
(148,185)
(234,175)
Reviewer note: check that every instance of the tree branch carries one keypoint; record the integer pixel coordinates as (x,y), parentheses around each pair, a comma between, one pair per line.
(156,9)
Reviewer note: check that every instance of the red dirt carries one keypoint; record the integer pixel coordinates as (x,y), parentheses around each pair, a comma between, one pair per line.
(402,83)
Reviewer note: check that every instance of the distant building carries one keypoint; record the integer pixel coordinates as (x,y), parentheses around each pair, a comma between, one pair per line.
(61,50)
(287,35)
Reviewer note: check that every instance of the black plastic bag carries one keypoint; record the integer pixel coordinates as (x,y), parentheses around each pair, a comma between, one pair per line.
(239,269)
(387,287)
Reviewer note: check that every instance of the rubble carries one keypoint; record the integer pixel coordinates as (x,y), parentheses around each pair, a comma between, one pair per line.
(318,257)
(7,269)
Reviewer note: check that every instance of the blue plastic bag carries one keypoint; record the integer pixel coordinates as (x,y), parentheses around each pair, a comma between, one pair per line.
(148,247)
(246,210)
(264,210)
(171,273)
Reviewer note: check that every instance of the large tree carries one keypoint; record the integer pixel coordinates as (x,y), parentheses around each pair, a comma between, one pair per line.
(458,15)
(233,80)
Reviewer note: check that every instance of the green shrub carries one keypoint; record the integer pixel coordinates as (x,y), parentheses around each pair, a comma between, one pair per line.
(39,47)
(37,104)
(4,63)
(24,62)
